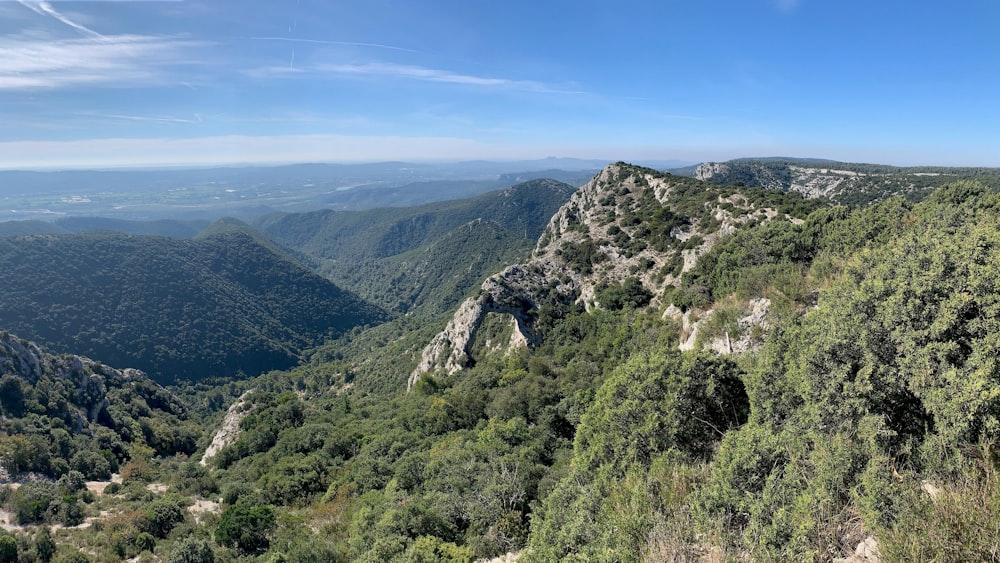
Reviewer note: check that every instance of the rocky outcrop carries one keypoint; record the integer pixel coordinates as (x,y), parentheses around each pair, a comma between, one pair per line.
(611,229)
(229,430)
(89,379)
(512,292)
(22,358)
(866,552)
(833,180)
(740,340)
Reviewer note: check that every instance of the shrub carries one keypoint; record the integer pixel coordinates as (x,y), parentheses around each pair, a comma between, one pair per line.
(191,550)
(246,528)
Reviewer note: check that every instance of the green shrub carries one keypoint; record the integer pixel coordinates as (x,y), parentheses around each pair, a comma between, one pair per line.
(245,527)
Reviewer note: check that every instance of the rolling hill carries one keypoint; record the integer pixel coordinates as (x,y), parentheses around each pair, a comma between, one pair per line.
(179,309)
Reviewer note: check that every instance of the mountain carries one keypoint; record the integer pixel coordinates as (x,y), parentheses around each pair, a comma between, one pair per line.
(251,191)
(848,183)
(631,232)
(379,233)
(436,276)
(179,309)
(393,255)
(678,371)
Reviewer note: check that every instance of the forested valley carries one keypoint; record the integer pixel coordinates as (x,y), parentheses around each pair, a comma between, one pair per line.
(693,371)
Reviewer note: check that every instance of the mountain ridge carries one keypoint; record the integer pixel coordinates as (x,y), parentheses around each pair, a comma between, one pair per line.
(629,224)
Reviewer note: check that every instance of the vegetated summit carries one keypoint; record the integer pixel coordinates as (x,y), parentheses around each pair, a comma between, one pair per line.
(179,309)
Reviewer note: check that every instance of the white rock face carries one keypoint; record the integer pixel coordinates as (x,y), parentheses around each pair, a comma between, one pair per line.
(229,430)
(508,293)
(597,217)
(866,552)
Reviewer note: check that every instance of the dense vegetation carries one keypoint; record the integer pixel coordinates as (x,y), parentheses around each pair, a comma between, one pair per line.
(869,406)
(70,419)
(423,257)
(177,309)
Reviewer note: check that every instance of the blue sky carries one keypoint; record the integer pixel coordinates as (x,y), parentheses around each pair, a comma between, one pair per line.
(121,83)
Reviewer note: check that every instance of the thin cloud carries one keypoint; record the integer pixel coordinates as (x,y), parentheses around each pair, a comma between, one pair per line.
(787,5)
(331,42)
(411,72)
(113,60)
(44,8)
(146,118)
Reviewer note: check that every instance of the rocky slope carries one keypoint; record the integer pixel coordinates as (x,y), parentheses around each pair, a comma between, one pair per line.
(45,398)
(627,223)
(841,182)
(86,378)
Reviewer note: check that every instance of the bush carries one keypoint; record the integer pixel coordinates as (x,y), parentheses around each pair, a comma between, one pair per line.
(91,464)
(245,528)
(162,515)
(191,550)
(8,548)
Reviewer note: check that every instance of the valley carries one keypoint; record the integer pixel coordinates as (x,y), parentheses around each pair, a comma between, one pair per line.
(762,359)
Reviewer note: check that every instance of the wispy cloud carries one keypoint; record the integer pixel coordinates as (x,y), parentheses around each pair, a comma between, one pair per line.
(412,72)
(331,42)
(44,8)
(196,118)
(787,5)
(35,63)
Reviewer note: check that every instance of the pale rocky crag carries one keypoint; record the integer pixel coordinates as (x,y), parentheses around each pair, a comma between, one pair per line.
(229,429)
(600,216)
(820,180)
(89,378)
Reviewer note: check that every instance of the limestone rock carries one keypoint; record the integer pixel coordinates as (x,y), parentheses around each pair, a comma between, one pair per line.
(593,239)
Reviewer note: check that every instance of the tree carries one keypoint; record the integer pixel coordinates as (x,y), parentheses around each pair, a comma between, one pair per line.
(246,528)
(8,548)
(191,550)
(45,546)
(162,515)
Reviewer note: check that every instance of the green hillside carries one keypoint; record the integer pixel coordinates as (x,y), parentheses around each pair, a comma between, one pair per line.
(29,227)
(605,443)
(347,236)
(842,388)
(177,309)
(429,255)
(437,276)
(65,413)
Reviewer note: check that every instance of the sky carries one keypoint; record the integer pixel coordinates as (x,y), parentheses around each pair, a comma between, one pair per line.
(198,82)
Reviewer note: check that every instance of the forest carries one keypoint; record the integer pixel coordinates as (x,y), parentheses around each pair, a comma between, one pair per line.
(866,408)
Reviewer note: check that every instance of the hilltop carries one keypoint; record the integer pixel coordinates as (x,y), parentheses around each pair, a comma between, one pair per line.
(625,236)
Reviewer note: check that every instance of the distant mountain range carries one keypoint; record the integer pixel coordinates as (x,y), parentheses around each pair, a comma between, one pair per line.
(248,192)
